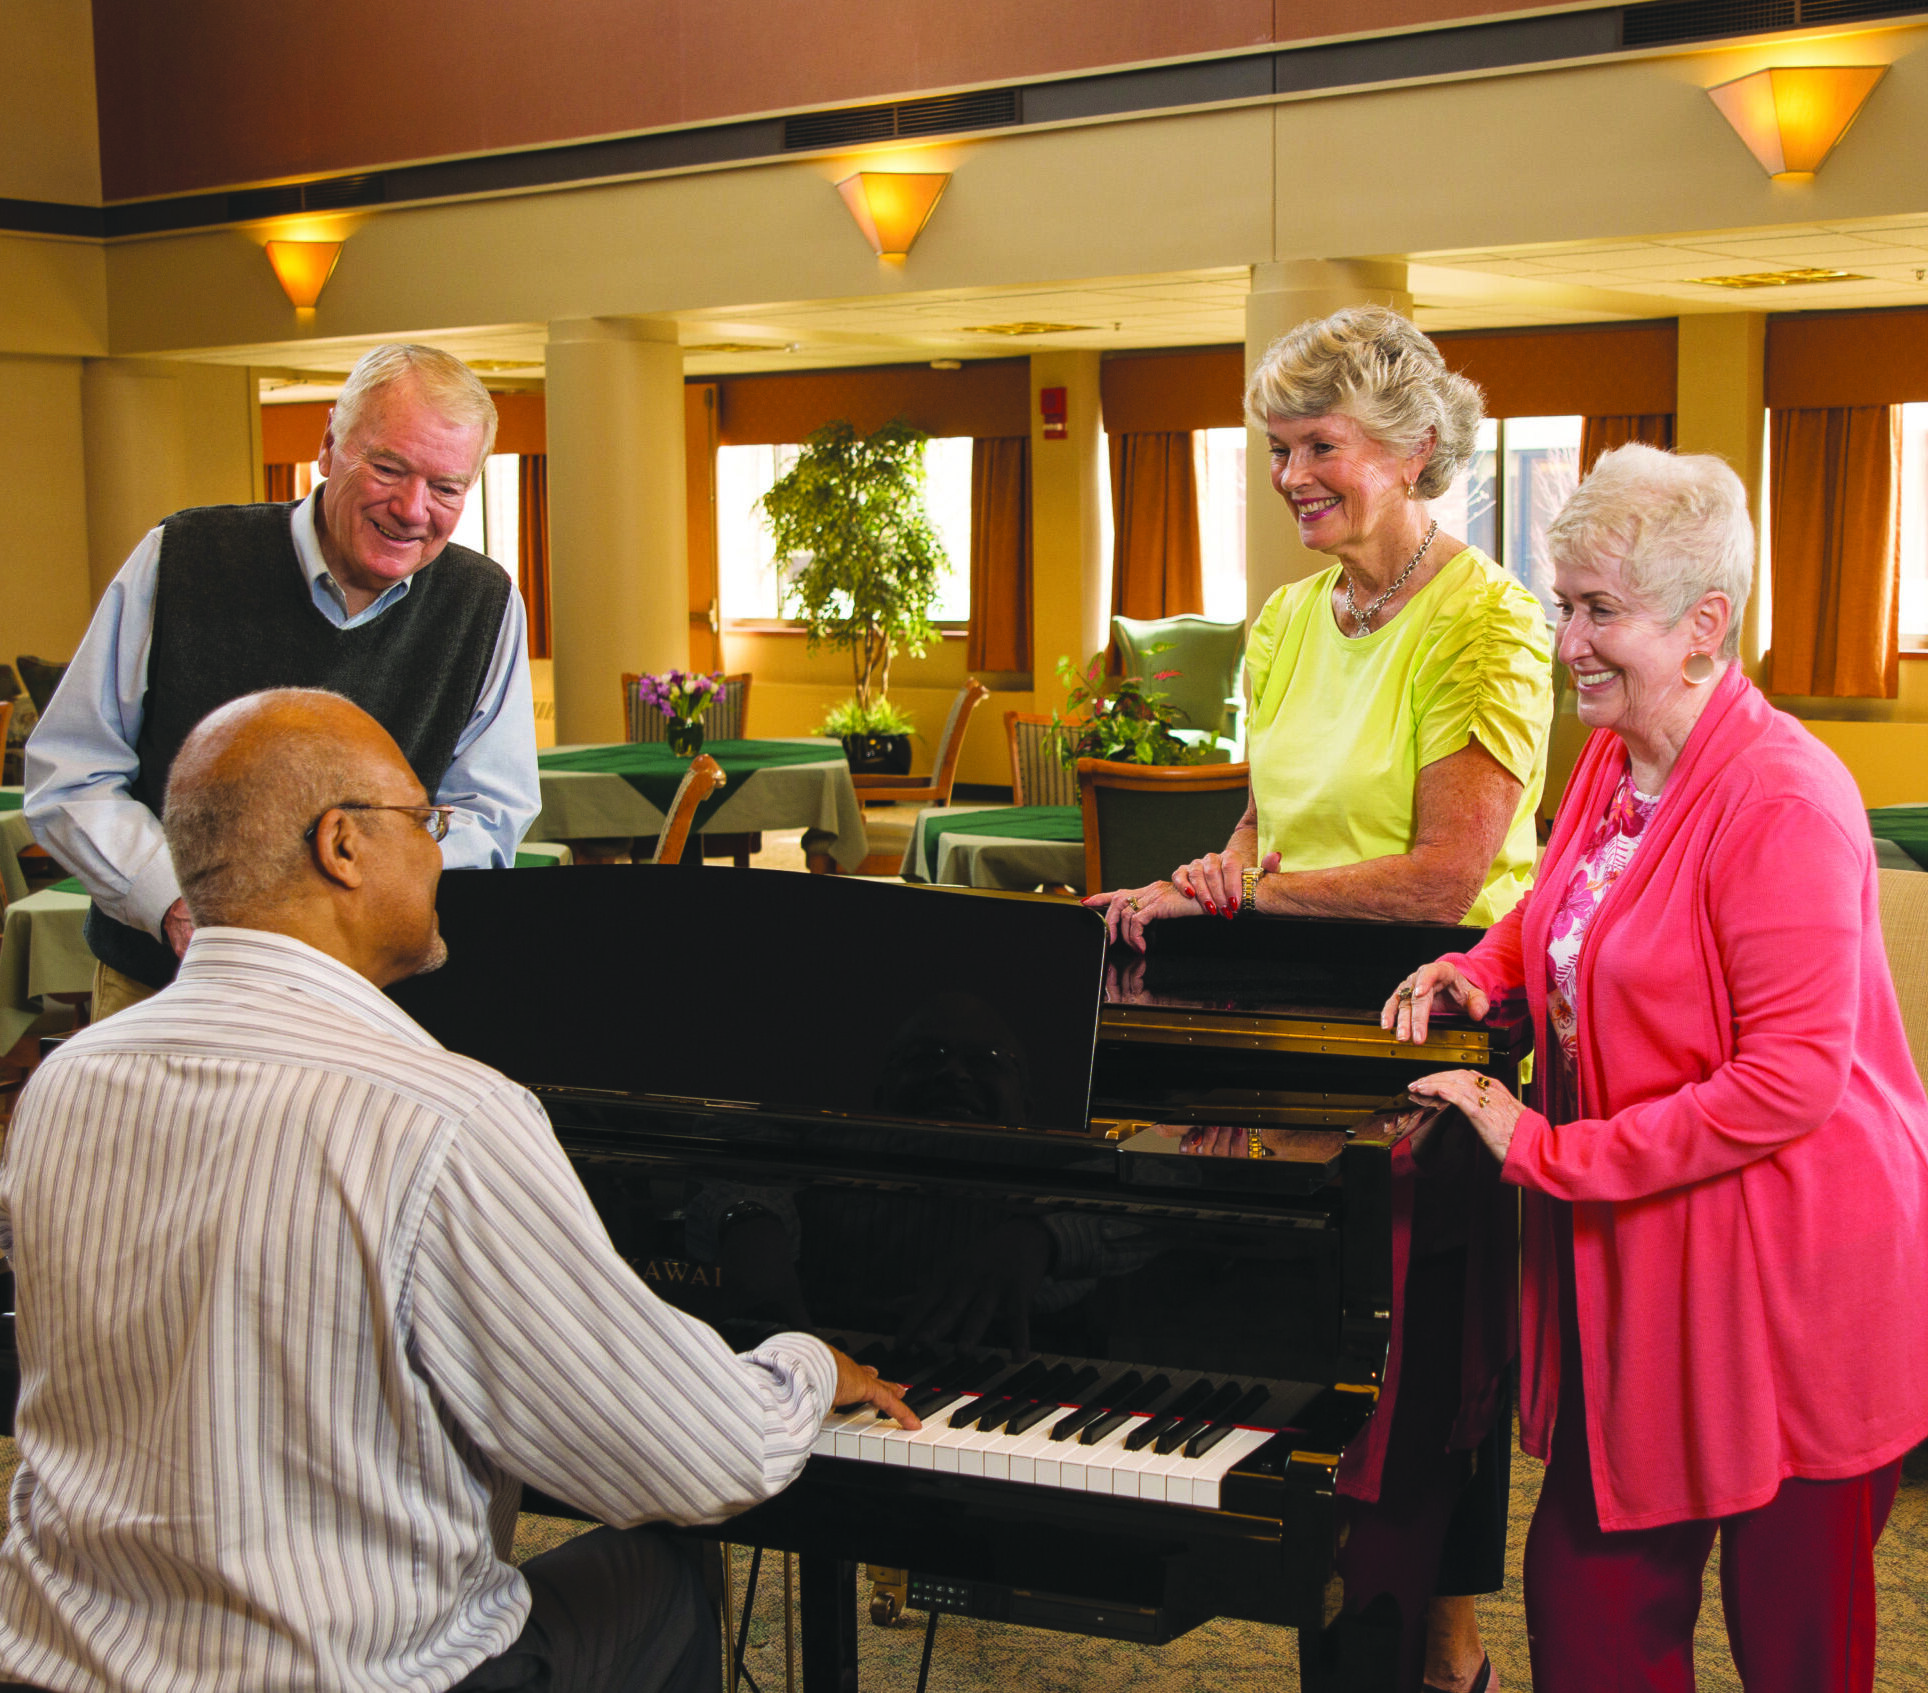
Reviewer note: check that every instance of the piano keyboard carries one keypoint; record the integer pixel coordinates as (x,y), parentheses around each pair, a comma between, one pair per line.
(1167,1439)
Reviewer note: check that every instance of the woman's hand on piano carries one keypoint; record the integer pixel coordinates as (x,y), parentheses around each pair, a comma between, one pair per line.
(1414,1001)
(1487,1104)
(1128,910)
(859,1384)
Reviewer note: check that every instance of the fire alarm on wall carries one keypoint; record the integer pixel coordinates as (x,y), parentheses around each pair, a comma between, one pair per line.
(1051,409)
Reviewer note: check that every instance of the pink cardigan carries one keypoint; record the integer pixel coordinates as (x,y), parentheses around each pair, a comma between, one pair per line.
(1749,1175)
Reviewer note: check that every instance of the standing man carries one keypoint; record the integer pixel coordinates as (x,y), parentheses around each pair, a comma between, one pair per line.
(355,589)
(304,1299)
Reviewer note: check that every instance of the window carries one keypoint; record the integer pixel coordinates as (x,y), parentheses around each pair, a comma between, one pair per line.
(1914,526)
(492,516)
(1221,521)
(1523,470)
(747,569)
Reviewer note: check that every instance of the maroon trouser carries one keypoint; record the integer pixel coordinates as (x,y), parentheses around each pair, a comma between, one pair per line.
(1615,1613)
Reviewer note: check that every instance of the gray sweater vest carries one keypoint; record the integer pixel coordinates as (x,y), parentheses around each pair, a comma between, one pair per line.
(233,613)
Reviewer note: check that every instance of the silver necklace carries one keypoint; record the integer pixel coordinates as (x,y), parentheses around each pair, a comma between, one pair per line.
(1364,618)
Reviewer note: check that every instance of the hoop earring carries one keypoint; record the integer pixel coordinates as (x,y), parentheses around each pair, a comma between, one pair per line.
(1697,669)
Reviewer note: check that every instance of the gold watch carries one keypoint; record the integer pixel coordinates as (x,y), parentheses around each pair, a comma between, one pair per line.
(1250,891)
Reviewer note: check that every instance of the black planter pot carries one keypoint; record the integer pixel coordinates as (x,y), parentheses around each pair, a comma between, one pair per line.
(878,755)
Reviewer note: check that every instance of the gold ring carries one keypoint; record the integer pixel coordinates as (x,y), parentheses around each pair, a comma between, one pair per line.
(1406,992)
(1255,1146)
(1131,901)
(1482,1083)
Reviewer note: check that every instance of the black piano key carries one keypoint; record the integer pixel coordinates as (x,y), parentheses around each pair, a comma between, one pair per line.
(1067,1426)
(1207,1414)
(1123,1412)
(1052,1397)
(927,1405)
(1046,1388)
(1201,1443)
(1181,1408)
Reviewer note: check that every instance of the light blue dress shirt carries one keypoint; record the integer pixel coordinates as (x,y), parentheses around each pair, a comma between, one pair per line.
(81,762)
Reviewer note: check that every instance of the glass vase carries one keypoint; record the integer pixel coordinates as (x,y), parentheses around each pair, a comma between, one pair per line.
(685,736)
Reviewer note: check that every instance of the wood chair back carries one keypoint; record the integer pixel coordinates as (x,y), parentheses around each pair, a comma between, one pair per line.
(1904,931)
(1038,775)
(722,722)
(1141,821)
(702,779)
(934,789)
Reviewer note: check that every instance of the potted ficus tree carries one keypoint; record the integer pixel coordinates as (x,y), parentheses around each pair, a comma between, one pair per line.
(863,562)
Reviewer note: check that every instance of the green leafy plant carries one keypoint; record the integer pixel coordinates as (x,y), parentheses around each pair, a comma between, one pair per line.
(1120,721)
(851,717)
(863,557)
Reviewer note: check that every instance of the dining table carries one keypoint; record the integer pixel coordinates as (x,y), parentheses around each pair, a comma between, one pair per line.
(626,789)
(14,835)
(1012,847)
(1900,836)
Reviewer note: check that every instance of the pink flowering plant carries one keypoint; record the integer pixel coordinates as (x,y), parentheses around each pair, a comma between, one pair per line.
(679,695)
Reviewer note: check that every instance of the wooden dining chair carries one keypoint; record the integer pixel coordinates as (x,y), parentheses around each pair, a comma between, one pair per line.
(1038,775)
(1141,821)
(703,778)
(889,836)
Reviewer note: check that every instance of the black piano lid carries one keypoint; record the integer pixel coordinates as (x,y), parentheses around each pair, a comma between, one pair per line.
(771,989)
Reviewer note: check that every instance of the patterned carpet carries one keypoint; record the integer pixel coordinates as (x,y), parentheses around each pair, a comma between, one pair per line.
(1235,1657)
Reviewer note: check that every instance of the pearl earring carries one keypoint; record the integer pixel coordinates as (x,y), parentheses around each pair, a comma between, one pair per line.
(1696,668)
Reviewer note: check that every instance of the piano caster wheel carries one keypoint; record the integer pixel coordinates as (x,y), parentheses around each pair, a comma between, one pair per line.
(889,1591)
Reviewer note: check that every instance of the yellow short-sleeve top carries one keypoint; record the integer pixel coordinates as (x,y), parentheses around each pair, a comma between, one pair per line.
(1341,728)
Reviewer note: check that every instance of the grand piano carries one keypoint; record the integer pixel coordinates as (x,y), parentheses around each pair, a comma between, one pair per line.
(946,1132)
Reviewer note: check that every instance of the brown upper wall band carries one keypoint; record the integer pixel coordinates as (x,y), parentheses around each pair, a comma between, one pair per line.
(206,93)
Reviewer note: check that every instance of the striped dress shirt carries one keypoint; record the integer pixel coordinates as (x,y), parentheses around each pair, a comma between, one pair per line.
(303,1297)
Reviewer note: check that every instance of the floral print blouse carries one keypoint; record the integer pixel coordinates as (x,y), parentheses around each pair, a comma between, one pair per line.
(1609,853)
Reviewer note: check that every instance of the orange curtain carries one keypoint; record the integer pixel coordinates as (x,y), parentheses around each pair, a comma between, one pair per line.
(532,550)
(1602,434)
(1000,635)
(1156,570)
(1836,497)
(278,483)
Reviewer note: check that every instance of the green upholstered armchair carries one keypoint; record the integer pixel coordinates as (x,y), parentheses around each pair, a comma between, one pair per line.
(1208,657)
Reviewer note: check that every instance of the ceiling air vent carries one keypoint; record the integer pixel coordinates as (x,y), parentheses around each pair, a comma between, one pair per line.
(1703,20)
(1854,11)
(264,202)
(943,114)
(334,192)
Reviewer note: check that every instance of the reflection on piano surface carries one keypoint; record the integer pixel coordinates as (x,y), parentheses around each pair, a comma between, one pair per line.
(927,1125)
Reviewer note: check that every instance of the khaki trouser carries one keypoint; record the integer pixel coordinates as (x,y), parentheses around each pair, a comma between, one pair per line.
(115,992)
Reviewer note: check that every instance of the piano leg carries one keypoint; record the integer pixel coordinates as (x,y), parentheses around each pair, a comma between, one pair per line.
(828,1601)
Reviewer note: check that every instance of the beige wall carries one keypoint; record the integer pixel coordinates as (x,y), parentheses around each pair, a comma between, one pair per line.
(43,509)
(49,139)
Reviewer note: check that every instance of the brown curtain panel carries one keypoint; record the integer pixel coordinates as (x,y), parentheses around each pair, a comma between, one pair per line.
(1156,569)
(532,550)
(278,483)
(1000,634)
(1602,434)
(1836,496)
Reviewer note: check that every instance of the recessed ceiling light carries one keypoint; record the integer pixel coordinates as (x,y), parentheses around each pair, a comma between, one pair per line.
(492,366)
(1025,328)
(1777,278)
(740,347)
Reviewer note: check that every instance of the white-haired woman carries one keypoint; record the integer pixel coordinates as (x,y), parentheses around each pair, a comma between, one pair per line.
(1726,1158)
(1401,702)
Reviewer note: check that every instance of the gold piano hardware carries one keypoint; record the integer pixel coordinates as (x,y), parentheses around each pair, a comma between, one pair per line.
(1288,1034)
(1116,1128)
(1330,1459)
(889,1593)
(1356,1387)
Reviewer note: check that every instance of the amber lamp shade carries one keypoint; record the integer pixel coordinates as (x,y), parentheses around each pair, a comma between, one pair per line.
(892,207)
(303,267)
(1791,117)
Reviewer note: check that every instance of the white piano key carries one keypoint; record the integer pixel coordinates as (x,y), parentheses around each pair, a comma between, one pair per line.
(947,1449)
(1217,1464)
(1098,1461)
(1033,1444)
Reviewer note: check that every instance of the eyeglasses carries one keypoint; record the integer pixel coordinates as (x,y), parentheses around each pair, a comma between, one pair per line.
(434,818)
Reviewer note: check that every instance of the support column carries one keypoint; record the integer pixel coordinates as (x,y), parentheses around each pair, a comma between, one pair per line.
(161,435)
(618,519)
(1070,576)
(1720,407)
(1284,296)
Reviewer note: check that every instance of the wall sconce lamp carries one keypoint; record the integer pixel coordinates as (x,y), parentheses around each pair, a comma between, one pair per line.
(1791,117)
(303,268)
(892,207)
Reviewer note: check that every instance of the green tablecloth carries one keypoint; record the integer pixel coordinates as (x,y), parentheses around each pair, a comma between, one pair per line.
(1904,825)
(602,791)
(15,836)
(42,951)
(1015,847)
(11,799)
